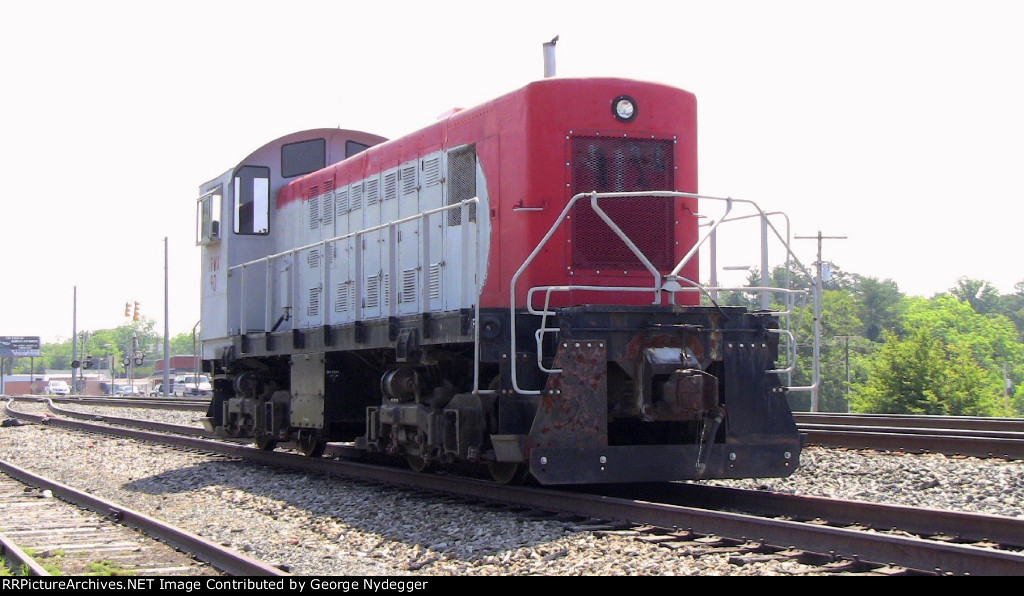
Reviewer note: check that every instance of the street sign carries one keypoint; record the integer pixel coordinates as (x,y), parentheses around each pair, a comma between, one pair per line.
(16,346)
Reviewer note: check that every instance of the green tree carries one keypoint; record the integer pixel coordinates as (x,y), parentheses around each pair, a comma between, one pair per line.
(183,345)
(880,305)
(1012,305)
(947,360)
(978,293)
(840,351)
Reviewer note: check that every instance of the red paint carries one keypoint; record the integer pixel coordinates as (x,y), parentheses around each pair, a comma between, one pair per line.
(522,147)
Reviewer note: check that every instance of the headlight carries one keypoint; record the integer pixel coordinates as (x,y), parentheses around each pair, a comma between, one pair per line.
(624,108)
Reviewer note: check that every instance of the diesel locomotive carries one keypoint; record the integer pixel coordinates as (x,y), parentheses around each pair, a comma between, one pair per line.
(516,285)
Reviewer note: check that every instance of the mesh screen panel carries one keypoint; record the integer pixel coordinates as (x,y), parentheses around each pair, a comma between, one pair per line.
(461,181)
(608,164)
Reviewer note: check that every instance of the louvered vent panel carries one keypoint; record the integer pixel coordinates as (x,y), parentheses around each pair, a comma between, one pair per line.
(372,292)
(314,208)
(313,258)
(372,192)
(435,281)
(314,303)
(328,206)
(408,180)
(409,283)
(356,198)
(432,171)
(343,295)
(341,201)
(390,186)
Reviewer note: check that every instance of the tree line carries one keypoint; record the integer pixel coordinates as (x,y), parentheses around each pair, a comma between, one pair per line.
(111,346)
(957,353)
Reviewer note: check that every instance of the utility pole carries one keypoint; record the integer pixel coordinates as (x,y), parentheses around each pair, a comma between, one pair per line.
(74,340)
(847,359)
(167,329)
(816,382)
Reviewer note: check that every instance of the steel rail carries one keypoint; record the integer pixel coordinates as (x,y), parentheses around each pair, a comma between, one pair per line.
(166,427)
(915,443)
(968,423)
(229,561)
(19,558)
(907,552)
(921,521)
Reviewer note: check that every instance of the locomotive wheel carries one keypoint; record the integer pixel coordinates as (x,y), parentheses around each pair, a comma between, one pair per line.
(508,472)
(310,444)
(265,443)
(417,463)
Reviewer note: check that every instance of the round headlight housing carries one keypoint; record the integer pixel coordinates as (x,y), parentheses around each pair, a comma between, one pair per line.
(624,108)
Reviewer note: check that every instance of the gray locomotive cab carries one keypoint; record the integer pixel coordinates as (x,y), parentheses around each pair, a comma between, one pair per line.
(236,222)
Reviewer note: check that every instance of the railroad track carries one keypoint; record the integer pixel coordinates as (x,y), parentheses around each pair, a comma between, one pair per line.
(47,528)
(949,435)
(967,436)
(823,531)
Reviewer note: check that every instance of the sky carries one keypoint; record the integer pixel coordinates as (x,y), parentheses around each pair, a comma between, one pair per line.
(896,125)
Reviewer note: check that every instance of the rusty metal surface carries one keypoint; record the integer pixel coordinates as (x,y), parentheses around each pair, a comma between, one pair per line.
(573,409)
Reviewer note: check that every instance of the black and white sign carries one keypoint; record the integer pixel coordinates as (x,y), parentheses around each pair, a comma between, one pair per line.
(15,346)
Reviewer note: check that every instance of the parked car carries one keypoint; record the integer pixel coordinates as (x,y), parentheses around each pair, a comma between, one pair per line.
(192,385)
(58,388)
(129,391)
(158,389)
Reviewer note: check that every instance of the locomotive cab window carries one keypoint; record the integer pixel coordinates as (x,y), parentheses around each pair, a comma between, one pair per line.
(352,148)
(303,157)
(252,200)
(208,217)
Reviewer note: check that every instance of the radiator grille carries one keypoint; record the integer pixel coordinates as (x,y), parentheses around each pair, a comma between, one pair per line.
(607,164)
(461,182)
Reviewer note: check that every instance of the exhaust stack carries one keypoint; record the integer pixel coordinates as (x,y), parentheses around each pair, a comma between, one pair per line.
(549,58)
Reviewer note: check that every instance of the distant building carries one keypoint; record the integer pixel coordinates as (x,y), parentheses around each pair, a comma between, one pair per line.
(178,364)
(89,383)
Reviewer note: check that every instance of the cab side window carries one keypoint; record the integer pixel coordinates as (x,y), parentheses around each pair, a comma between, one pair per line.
(252,200)
(208,217)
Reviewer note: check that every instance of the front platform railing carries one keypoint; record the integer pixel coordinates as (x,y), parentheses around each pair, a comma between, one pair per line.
(665,286)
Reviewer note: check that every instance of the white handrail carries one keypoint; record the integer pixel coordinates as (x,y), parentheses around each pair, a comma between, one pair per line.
(658,286)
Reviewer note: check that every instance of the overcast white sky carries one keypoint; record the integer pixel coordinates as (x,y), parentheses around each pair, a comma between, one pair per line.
(898,124)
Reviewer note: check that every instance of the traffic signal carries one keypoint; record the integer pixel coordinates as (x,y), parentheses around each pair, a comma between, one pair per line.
(135,315)
(127,309)
(87,363)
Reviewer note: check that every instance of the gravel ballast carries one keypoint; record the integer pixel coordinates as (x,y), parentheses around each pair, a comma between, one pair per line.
(320,525)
